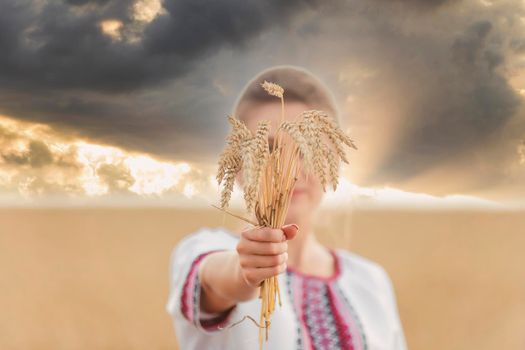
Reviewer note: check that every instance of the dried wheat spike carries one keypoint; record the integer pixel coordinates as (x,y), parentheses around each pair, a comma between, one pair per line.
(228,160)
(255,154)
(293,129)
(333,166)
(231,160)
(331,125)
(313,137)
(231,154)
(308,132)
(249,150)
(229,181)
(273,89)
(337,145)
(262,152)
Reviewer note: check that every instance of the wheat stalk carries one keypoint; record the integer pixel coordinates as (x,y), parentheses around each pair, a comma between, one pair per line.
(269,177)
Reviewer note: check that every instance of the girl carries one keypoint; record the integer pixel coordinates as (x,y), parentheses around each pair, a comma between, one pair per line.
(331,298)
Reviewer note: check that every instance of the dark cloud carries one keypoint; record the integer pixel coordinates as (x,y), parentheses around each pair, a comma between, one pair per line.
(161,126)
(62,70)
(116,176)
(6,135)
(520,150)
(54,46)
(467,50)
(419,4)
(440,75)
(85,2)
(34,168)
(37,155)
(470,104)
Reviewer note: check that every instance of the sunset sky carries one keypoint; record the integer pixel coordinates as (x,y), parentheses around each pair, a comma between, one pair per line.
(119,102)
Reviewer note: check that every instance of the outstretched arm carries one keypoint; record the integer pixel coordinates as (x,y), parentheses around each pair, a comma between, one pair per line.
(229,277)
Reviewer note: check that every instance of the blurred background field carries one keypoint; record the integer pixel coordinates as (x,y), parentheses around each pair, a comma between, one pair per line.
(98,278)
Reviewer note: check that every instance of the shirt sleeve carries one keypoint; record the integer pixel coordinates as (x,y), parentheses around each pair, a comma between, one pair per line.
(185,288)
(399,341)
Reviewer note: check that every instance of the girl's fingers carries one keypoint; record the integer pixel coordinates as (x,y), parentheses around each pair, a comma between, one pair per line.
(247,247)
(254,276)
(290,231)
(256,261)
(263,234)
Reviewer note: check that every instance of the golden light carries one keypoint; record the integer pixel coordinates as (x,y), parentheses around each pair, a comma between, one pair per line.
(79,166)
(112,28)
(521,152)
(147,10)
(154,177)
(348,193)
(189,190)
(90,156)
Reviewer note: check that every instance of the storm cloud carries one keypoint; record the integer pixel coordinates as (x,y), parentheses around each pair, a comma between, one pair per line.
(60,45)
(422,85)
(469,102)
(60,67)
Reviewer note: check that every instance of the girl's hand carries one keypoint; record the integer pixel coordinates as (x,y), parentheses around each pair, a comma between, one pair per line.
(263,252)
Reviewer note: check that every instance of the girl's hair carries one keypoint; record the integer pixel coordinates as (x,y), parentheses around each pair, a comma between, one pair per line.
(299,85)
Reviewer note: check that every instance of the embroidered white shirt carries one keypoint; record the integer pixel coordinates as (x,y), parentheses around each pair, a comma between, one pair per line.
(355,309)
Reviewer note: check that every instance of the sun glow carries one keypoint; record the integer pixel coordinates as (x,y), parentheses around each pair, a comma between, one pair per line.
(153,176)
(147,10)
(37,162)
(34,159)
(112,28)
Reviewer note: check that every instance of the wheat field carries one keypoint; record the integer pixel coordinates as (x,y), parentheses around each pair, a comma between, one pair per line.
(98,278)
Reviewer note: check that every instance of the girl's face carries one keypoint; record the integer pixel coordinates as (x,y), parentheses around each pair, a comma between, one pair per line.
(307,193)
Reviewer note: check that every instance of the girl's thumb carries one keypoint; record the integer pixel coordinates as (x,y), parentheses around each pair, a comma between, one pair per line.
(290,230)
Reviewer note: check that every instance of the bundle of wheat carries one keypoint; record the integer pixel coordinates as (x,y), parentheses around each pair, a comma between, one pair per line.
(269,176)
